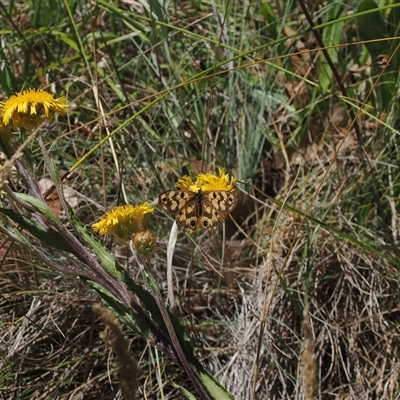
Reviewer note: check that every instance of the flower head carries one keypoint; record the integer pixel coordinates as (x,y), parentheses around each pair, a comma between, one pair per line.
(145,243)
(213,182)
(186,183)
(207,182)
(27,109)
(123,221)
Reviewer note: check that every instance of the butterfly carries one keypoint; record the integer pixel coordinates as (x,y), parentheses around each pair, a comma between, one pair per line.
(198,210)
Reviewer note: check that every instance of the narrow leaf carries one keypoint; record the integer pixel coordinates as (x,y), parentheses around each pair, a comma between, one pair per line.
(40,207)
(49,236)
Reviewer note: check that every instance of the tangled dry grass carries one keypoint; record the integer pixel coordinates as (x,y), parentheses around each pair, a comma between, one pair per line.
(248,328)
(352,315)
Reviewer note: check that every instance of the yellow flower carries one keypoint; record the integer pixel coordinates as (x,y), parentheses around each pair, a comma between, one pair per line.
(212,182)
(208,182)
(123,221)
(186,183)
(27,109)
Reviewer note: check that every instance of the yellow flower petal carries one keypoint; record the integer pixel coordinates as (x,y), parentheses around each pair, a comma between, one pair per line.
(213,182)
(186,183)
(27,109)
(123,221)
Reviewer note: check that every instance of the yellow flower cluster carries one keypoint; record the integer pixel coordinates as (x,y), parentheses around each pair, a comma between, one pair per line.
(129,222)
(29,108)
(207,182)
(123,221)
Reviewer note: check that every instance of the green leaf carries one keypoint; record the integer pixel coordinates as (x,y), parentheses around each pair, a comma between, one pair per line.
(49,236)
(107,259)
(372,26)
(40,207)
(271,20)
(125,313)
(17,236)
(217,391)
(332,36)
(67,39)
(184,391)
(394,31)
(153,308)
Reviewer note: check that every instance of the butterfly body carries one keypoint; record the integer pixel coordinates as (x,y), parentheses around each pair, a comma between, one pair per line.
(198,210)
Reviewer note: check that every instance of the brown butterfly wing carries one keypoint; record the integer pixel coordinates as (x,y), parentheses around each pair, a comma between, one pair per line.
(216,207)
(193,210)
(187,216)
(174,200)
(210,217)
(181,204)
(222,201)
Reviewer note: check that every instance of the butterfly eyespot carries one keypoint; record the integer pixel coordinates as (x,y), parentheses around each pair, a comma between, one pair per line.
(205,223)
(193,223)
